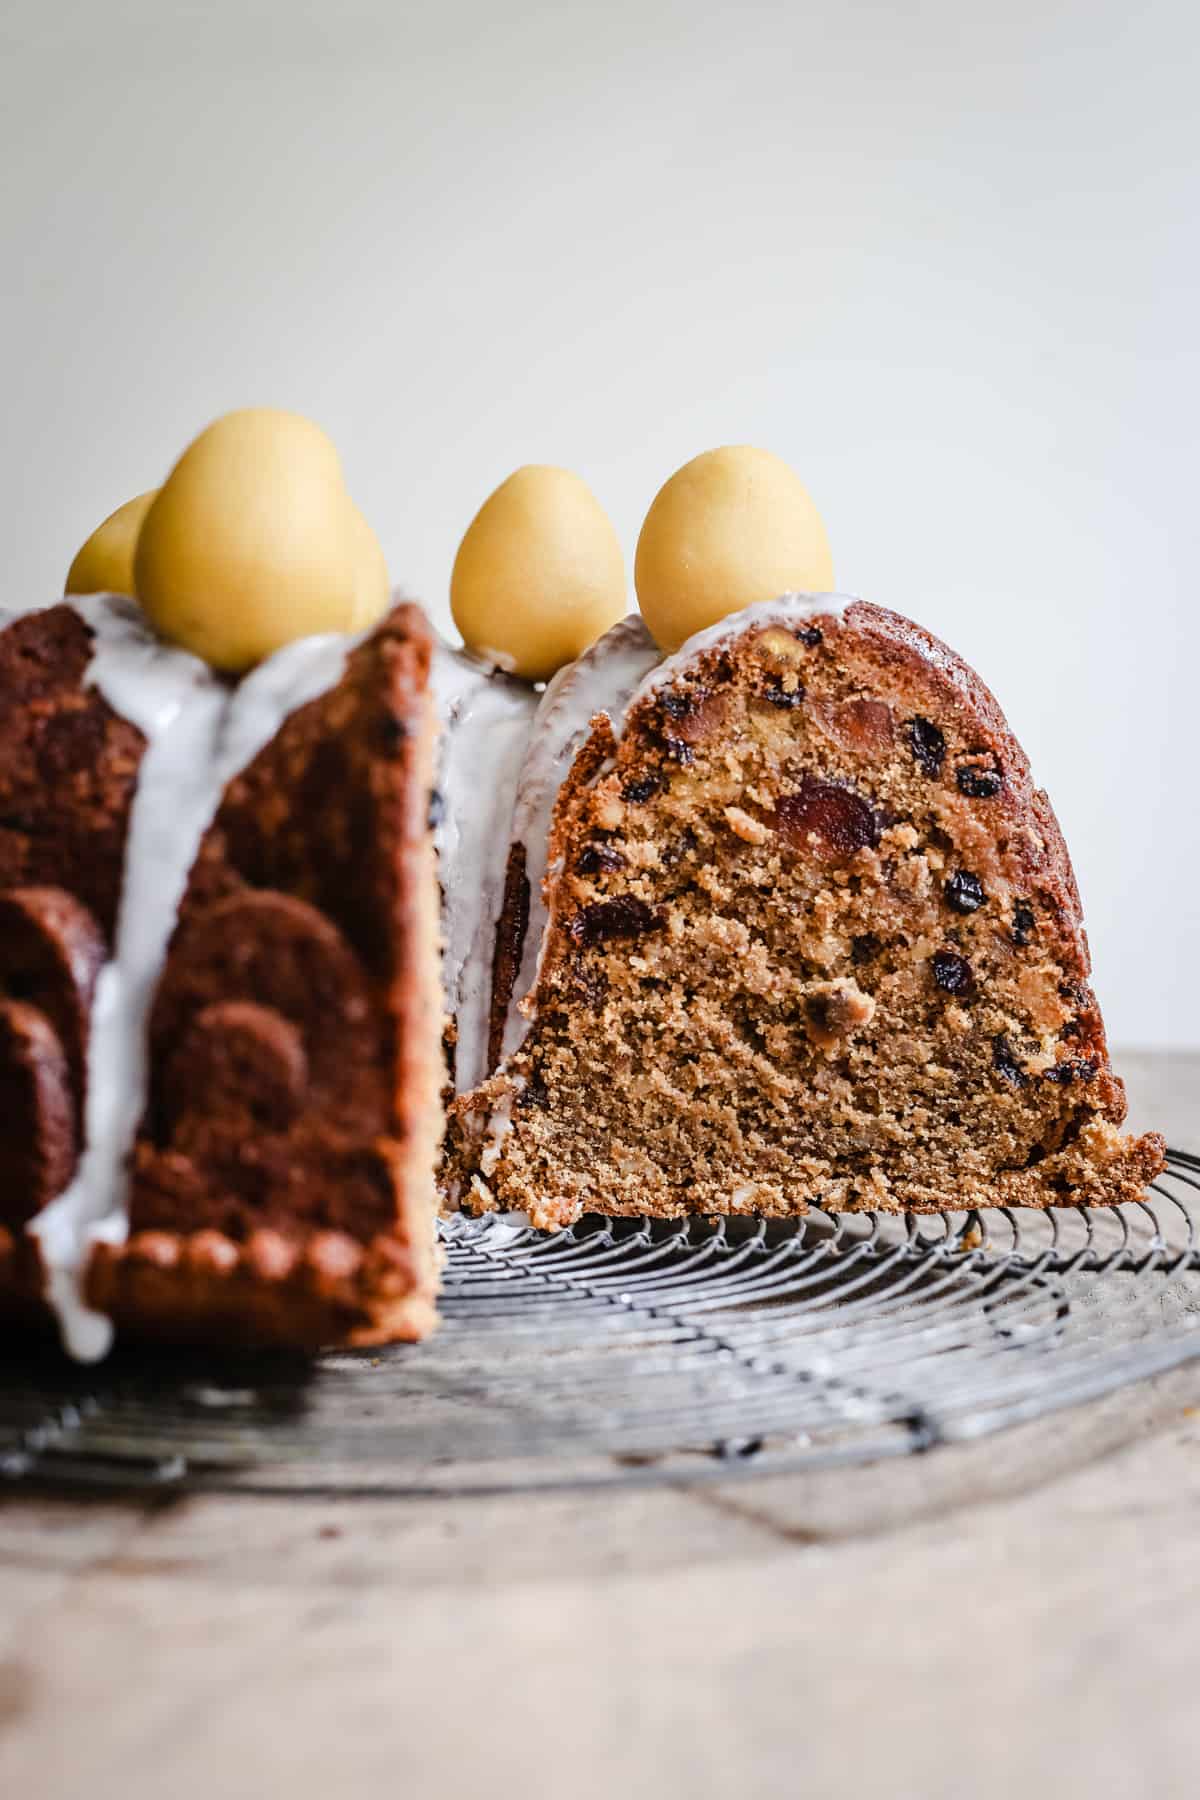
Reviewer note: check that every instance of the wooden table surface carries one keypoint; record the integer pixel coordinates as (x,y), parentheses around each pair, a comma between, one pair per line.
(1017,1617)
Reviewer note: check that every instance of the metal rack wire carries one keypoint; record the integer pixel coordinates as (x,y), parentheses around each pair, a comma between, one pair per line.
(632,1350)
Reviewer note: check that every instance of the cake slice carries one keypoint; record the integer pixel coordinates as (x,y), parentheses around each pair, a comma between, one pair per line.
(812,937)
(220,1009)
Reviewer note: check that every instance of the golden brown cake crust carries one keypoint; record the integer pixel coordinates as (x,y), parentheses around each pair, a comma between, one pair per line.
(282,1186)
(815,939)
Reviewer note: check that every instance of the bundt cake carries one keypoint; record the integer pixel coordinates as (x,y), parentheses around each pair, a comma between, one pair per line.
(771,919)
(221,1014)
(786,922)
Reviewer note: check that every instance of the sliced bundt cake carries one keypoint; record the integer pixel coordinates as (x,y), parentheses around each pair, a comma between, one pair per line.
(221,1013)
(812,937)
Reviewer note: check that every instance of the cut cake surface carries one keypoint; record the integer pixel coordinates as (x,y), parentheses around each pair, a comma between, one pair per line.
(814,938)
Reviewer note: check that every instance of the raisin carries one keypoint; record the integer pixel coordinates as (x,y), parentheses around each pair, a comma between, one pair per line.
(594,859)
(603,920)
(534,1094)
(1022,924)
(437,809)
(863,948)
(927,744)
(1079,1068)
(642,787)
(964,892)
(840,820)
(1006,1063)
(390,733)
(686,844)
(689,715)
(812,635)
(952,973)
(589,985)
(977,781)
(787,700)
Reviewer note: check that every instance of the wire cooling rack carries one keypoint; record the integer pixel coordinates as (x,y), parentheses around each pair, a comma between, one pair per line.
(634,1350)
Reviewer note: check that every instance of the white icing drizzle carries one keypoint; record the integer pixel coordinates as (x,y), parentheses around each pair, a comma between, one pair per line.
(601,680)
(200,732)
(486,720)
(789,609)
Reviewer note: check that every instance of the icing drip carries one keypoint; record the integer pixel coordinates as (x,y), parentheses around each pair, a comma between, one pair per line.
(601,680)
(486,719)
(199,734)
(789,609)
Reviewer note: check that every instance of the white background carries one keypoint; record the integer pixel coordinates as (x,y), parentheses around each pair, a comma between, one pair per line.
(942,257)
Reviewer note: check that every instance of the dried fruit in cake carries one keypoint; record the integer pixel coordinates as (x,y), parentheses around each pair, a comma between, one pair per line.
(253,541)
(104,564)
(805,968)
(732,527)
(539,574)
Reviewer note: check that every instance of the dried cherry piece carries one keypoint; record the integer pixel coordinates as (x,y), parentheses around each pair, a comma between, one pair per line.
(841,820)
(927,744)
(604,920)
(964,892)
(1005,1061)
(979,779)
(812,635)
(953,973)
(863,726)
(642,787)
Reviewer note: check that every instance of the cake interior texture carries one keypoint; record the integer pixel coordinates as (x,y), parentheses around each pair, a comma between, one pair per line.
(813,938)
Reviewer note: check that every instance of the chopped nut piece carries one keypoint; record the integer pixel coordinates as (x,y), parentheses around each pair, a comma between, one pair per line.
(836,1010)
(751,831)
(779,645)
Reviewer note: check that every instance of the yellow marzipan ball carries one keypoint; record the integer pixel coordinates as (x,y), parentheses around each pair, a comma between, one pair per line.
(731,527)
(539,575)
(253,542)
(104,564)
(372,588)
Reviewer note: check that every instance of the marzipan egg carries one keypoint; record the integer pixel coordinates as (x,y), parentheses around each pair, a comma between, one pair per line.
(731,527)
(539,575)
(104,564)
